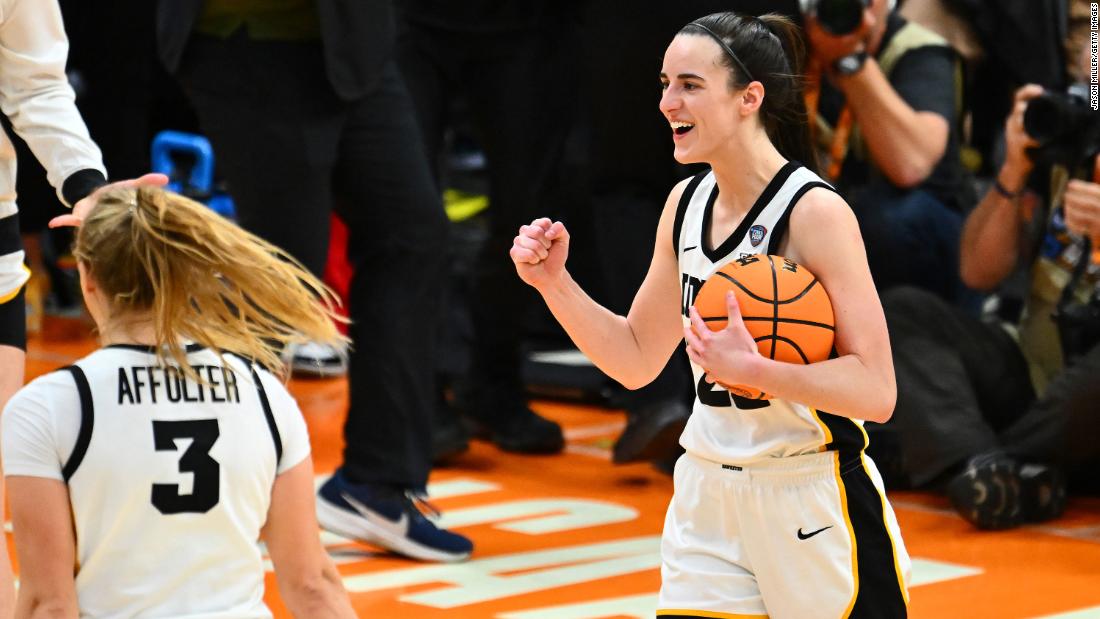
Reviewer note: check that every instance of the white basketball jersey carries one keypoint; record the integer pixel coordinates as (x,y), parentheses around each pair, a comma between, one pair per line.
(169,479)
(724,427)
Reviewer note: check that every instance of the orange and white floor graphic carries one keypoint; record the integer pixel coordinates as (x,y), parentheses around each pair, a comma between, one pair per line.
(573,537)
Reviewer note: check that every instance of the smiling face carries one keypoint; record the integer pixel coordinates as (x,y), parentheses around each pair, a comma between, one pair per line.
(704,114)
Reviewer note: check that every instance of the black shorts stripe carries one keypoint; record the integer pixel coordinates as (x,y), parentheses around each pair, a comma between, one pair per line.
(87,422)
(10,240)
(879,594)
(845,434)
(13,321)
(269,415)
(682,207)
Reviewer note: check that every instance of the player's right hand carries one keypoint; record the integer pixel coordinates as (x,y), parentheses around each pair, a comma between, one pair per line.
(539,251)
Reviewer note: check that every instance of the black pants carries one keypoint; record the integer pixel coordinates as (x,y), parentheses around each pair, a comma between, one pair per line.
(912,239)
(514,85)
(964,389)
(292,153)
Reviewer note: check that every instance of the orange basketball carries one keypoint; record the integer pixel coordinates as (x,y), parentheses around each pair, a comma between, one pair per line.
(785,308)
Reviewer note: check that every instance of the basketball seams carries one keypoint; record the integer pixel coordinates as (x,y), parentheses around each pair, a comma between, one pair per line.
(796,337)
(775,305)
(790,321)
(804,292)
(751,294)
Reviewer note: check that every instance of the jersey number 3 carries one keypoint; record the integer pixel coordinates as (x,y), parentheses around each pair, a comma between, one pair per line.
(195,460)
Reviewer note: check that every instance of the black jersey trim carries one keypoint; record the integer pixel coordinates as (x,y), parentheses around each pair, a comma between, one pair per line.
(10,239)
(733,240)
(87,422)
(780,228)
(13,320)
(682,207)
(269,415)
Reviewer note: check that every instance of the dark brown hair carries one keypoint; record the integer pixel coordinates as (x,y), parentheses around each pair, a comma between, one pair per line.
(770,47)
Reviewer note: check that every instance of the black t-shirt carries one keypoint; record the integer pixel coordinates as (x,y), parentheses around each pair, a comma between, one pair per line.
(925,79)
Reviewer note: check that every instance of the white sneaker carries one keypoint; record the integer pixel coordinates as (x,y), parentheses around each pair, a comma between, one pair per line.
(315,359)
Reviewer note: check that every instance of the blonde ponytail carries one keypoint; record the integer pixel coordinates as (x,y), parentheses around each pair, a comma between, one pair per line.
(166,259)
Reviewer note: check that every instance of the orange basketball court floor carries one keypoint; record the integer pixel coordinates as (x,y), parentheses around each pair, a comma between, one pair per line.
(571,536)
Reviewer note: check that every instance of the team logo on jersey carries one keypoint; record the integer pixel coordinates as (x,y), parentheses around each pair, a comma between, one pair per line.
(756,234)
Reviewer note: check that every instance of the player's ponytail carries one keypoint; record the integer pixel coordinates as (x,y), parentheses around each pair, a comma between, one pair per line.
(170,261)
(770,48)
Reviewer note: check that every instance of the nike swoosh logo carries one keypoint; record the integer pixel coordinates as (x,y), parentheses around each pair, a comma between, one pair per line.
(400,527)
(802,535)
(690,248)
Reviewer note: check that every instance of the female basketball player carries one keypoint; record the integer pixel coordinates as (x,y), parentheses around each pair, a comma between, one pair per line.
(155,464)
(777,512)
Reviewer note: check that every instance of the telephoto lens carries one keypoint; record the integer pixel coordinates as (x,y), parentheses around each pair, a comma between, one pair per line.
(1065,126)
(1054,114)
(839,17)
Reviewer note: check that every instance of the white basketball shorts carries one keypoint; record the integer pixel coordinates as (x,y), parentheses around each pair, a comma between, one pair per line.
(804,537)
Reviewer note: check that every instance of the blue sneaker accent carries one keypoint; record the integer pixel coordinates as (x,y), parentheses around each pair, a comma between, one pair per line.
(387,518)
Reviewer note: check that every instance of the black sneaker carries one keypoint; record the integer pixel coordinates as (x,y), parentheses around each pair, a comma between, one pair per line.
(387,518)
(520,430)
(652,431)
(449,436)
(997,492)
(987,493)
(1042,492)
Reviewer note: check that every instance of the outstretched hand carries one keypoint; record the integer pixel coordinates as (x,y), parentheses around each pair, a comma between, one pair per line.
(540,251)
(86,204)
(727,356)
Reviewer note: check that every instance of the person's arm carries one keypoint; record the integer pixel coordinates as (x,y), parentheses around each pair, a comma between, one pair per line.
(631,349)
(859,383)
(35,95)
(990,243)
(11,379)
(7,579)
(39,427)
(308,581)
(904,142)
(45,546)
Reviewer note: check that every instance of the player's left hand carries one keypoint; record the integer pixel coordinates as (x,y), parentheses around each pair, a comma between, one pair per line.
(724,354)
(86,204)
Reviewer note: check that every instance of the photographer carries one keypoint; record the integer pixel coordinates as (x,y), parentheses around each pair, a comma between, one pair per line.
(887,119)
(1000,413)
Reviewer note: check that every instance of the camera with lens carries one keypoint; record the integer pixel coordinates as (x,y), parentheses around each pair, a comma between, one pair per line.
(837,17)
(1065,126)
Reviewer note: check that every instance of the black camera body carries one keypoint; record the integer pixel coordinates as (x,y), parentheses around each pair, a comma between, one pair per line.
(1065,126)
(1078,328)
(838,17)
